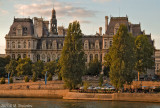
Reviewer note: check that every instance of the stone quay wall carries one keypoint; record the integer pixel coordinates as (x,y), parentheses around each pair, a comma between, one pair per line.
(135,97)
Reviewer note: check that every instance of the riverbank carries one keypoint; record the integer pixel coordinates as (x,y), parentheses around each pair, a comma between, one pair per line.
(66,95)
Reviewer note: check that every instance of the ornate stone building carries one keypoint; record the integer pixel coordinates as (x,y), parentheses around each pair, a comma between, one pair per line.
(32,38)
(157,62)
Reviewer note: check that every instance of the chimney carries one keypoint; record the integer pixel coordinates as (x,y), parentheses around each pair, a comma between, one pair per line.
(100,31)
(106,24)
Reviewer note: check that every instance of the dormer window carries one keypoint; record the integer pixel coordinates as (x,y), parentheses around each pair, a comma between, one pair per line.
(25,31)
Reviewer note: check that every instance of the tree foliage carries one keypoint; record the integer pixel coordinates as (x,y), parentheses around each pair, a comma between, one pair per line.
(11,68)
(144,52)
(38,68)
(50,68)
(121,58)
(72,60)
(24,66)
(3,63)
(94,68)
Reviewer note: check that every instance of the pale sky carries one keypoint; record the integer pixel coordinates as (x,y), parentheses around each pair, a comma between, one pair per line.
(90,13)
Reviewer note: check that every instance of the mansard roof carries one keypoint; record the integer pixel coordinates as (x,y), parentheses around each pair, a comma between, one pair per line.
(114,21)
(24,23)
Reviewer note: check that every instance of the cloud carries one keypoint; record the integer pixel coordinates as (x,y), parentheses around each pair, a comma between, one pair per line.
(62,9)
(3,12)
(102,0)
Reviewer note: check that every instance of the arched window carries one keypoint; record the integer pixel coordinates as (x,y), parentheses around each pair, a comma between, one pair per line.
(91,57)
(19,44)
(13,45)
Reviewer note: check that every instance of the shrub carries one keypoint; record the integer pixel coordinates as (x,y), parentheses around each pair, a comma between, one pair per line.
(11,80)
(26,79)
(49,77)
(2,80)
(86,85)
(34,77)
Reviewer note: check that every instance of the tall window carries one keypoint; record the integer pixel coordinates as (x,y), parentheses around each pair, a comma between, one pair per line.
(8,44)
(38,57)
(24,44)
(96,56)
(13,44)
(13,56)
(24,55)
(86,44)
(19,44)
(19,55)
(43,58)
(54,44)
(29,44)
(91,57)
(48,58)
(110,43)
(105,43)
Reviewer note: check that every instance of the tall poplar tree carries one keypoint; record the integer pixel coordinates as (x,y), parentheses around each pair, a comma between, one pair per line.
(144,52)
(72,59)
(121,58)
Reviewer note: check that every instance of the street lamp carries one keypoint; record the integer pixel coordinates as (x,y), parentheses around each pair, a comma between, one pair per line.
(46,78)
(8,77)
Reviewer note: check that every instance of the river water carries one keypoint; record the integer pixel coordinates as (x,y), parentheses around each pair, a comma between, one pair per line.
(59,103)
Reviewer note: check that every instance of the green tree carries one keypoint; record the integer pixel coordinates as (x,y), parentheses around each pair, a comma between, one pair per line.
(38,68)
(34,77)
(144,52)
(94,68)
(72,60)
(121,58)
(11,68)
(24,66)
(3,63)
(50,68)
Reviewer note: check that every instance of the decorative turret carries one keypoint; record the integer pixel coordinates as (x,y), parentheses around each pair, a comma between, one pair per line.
(53,29)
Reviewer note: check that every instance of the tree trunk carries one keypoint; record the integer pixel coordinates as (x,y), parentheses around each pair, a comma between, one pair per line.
(138,76)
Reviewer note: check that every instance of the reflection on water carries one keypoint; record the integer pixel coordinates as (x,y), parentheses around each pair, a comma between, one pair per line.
(59,103)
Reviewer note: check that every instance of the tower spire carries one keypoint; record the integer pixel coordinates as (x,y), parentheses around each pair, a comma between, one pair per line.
(53,27)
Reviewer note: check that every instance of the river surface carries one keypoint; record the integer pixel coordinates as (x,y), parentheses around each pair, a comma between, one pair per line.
(59,103)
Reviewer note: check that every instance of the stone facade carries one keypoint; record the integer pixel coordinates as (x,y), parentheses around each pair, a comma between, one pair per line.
(32,38)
